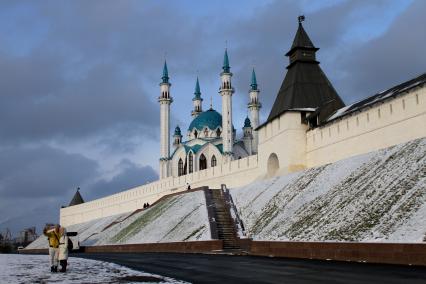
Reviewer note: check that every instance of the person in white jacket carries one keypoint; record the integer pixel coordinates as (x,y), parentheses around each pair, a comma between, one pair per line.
(63,249)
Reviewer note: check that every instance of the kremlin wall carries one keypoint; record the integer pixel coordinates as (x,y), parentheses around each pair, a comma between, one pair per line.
(386,123)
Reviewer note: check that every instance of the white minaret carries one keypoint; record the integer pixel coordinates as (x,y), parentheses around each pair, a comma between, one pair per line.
(197,101)
(248,136)
(254,106)
(165,100)
(226,92)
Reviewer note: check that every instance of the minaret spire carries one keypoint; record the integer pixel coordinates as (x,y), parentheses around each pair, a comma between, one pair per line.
(226,68)
(197,100)
(253,81)
(165,73)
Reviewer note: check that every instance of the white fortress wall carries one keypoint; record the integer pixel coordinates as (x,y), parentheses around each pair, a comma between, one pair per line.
(233,174)
(285,137)
(384,124)
(285,145)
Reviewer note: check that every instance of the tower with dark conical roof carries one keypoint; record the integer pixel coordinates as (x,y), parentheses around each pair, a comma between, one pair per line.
(305,84)
(77,199)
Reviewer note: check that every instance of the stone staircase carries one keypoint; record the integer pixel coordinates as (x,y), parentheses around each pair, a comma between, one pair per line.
(225,225)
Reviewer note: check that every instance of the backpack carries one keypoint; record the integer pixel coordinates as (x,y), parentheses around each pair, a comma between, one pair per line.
(70,245)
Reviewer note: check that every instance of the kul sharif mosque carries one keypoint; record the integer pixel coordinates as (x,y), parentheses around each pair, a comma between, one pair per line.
(211,136)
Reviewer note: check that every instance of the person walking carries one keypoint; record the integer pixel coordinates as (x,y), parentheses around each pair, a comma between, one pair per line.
(52,235)
(63,249)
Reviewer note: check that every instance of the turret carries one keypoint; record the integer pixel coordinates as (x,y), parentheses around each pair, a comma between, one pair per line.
(165,100)
(177,137)
(248,136)
(254,106)
(226,92)
(197,101)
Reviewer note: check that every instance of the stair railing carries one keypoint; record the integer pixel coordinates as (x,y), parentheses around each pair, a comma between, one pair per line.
(230,202)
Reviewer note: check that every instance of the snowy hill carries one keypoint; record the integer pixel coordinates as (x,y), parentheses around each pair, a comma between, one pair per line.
(380,196)
(176,218)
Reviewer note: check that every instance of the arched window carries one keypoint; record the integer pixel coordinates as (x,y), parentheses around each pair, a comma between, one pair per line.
(203,162)
(180,167)
(206,132)
(196,133)
(214,161)
(218,132)
(190,163)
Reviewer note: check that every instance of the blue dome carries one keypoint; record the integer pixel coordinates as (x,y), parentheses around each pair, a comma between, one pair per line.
(210,119)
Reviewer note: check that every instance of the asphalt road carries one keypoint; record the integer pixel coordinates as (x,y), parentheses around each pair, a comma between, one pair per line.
(202,268)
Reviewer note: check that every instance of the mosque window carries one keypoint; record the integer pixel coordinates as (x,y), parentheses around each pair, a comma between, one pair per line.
(180,167)
(218,132)
(206,132)
(190,163)
(214,161)
(203,162)
(196,133)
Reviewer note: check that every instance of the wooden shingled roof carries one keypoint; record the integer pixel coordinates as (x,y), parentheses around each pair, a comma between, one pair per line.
(305,84)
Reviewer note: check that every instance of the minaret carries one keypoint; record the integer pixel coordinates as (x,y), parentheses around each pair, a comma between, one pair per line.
(254,107)
(197,101)
(177,137)
(248,136)
(165,100)
(226,92)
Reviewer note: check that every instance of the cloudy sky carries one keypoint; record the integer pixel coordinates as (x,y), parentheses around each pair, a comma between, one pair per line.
(79,80)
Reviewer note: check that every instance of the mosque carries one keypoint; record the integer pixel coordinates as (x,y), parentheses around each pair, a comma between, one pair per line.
(211,137)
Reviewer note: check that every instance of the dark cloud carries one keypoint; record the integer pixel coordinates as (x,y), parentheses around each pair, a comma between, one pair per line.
(130,175)
(387,60)
(42,172)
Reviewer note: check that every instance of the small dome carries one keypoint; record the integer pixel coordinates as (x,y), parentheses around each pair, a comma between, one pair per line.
(177,131)
(247,122)
(210,119)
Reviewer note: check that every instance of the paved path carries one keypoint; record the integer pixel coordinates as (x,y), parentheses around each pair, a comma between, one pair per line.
(201,268)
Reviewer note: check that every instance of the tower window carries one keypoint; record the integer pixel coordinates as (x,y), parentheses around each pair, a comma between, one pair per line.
(214,161)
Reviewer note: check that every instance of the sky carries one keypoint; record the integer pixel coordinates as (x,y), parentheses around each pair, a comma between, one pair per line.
(79,80)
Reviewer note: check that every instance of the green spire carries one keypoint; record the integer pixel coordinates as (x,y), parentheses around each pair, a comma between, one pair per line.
(226,67)
(165,73)
(197,92)
(253,81)
(177,131)
(247,122)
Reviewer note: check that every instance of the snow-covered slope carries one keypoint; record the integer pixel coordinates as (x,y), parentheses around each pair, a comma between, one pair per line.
(380,196)
(177,218)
